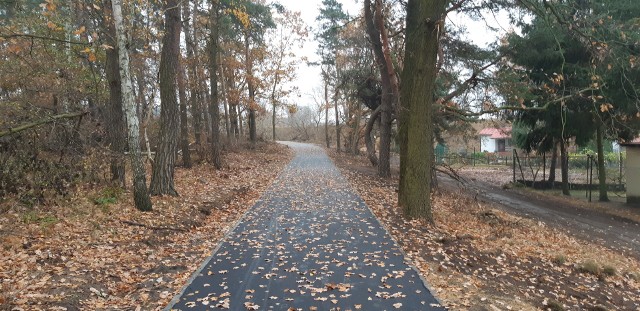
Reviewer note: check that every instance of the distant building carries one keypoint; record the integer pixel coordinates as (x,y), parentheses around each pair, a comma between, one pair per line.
(495,139)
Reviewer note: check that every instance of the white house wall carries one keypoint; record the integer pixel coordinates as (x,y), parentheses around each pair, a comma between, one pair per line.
(487,144)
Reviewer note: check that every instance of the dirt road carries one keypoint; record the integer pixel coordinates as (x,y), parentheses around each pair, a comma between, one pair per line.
(615,232)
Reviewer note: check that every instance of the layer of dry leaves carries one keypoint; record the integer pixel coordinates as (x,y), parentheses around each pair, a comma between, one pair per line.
(480,258)
(80,255)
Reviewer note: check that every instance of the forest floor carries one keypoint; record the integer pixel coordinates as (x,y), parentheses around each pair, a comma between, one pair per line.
(481,256)
(94,251)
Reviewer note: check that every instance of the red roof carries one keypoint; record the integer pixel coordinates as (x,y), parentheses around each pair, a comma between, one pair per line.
(634,142)
(496,133)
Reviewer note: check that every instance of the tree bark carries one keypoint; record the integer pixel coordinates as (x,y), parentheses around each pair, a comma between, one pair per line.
(335,108)
(553,164)
(602,173)
(116,131)
(164,162)
(140,193)
(252,91)
(390,90)
(355,137)
(371,149)
(214,108)
(425,19)
(225,102)
(184,124)
(191,48)
(564,167)
(326,113)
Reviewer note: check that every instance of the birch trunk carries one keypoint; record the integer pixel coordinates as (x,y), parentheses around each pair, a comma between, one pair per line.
(140,193)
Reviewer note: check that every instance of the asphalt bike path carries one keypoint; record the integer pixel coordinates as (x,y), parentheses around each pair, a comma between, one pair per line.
(309,243)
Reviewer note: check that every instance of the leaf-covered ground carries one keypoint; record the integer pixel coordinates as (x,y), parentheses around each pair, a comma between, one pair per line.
(480,258)
(94,251)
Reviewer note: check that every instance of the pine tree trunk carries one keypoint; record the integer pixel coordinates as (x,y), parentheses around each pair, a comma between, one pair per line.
(233,116)
(425,19)
(252,92)
(214,108)
(335,108)
(355,136)
(191,48)
(326,113)
(273,120)
(117,131)
(553,164)
(564,167)
(602,173)
(164,162)
(140,193)
(390,90)
(184,124)
(227,125)
(371,149)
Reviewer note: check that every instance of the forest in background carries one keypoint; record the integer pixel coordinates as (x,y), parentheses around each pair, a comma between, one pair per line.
(196,77)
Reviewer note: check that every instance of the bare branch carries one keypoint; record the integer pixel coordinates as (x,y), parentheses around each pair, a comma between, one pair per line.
(41,122)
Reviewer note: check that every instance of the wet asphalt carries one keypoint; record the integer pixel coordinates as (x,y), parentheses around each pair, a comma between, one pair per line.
(309,243)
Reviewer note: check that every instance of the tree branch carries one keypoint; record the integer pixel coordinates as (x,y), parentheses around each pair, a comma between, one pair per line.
(27,126)
(467,113)
(23,35)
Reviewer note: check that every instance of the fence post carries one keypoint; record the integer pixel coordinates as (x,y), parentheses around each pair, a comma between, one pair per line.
(514,165)
(473,157)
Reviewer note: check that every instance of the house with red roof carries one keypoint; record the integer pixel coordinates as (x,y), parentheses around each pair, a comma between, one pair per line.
(495,139)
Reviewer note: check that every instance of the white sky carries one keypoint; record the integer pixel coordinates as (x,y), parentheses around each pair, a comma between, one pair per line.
(310,77)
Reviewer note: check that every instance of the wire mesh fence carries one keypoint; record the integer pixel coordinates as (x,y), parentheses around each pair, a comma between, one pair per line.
(538,170)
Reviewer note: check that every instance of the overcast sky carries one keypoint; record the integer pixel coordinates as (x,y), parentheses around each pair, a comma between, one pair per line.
(310,78)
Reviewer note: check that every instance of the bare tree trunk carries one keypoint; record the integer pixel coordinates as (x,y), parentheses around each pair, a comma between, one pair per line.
(355,136)
(240,121)
(214,108)
(184,124)
(335,108)
(117,132)
(553,164)
(140,193)
(390,90)
(602,173)
(191,48)
(233,115)
(164,162)
(564,167)
(371,149)
(326,113)
(227,126)
(425,19)
(252,91)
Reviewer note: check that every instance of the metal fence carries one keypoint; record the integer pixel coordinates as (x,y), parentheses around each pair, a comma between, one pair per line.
(534,170)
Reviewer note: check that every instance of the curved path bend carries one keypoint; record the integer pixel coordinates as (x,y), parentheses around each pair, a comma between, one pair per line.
(309,243)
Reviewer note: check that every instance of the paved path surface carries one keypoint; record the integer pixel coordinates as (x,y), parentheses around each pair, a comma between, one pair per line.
(310,243)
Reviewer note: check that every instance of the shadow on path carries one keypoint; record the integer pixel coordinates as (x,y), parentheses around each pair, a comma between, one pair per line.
(309,243)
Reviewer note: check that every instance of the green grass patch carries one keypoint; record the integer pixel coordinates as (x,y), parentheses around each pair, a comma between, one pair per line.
(107,196)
